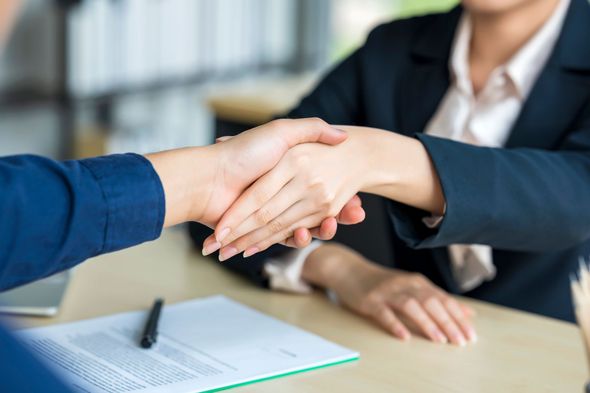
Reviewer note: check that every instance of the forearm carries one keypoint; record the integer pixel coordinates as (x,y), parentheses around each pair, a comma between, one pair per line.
(400,169)
(57,214)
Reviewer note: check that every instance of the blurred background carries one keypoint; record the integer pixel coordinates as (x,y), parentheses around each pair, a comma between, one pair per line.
(86,77)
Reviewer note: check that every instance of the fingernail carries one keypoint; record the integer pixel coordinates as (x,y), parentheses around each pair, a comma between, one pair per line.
(227,253)
(222,235)
(439,337)
(471,335)
(459,339)
(339,130)
(402,334)
(251,251)
(211,248)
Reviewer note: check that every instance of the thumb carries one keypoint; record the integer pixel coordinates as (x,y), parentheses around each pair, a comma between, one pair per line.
(310,130)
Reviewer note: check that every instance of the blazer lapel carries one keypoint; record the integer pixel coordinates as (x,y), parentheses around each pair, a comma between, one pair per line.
(561,89)
(426,81)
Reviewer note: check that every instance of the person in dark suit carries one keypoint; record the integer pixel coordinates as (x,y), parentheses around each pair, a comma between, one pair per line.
(488,169)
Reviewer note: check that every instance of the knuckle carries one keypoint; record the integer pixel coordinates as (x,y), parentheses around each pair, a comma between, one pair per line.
(325,197)
(318,122)
(262,216)
(276,226)
(278,123)
(385,287)
(409,304)
(312,180)
(260,196)
(242,243)
(430,301)
(369,303)
(418,278)
(301,159)
(417,281)
(328,196)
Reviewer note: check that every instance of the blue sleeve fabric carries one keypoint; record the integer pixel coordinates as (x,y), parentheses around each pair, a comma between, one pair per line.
(55,215)
(21,372)
(519,199)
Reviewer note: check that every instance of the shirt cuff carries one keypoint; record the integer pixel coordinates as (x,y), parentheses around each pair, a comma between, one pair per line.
(472,265)
(284,272)
(432,221)
(134,197)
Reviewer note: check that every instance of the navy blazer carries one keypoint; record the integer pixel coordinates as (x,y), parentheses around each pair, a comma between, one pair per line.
(530,201)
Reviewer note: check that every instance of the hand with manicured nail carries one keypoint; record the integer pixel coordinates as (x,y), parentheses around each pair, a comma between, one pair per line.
(243,159)
(398,301)
(352,213)
(313,182)
(310,184)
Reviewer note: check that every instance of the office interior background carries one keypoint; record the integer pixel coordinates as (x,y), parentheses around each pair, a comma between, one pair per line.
(87,77)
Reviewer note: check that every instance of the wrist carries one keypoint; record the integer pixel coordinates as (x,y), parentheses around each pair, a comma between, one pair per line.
(375,148)
(388,161)
(404,172)
(331,265)
(205,174)
(187,177)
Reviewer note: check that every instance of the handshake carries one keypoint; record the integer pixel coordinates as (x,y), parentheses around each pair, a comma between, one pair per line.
(283,182)
(291,180)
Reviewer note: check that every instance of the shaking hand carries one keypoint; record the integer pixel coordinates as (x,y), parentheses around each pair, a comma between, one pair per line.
(200,184)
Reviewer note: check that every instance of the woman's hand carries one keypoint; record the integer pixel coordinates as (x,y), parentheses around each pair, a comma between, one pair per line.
(243,159)
(396,300)
(311,182)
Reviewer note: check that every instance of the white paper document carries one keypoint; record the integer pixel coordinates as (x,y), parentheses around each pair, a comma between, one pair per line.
(203,345)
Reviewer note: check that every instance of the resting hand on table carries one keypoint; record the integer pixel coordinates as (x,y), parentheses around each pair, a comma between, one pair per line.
(397,301)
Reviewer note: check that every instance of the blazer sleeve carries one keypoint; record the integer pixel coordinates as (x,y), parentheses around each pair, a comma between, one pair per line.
(519,199)
(57,214)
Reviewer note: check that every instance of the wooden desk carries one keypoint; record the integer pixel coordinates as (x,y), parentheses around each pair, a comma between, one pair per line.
(255,102)
(516,352)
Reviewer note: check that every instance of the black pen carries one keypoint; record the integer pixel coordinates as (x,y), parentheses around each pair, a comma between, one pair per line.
(150,332)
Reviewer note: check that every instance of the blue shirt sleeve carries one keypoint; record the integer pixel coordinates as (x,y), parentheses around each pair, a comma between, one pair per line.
(54,215)
(22,372)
